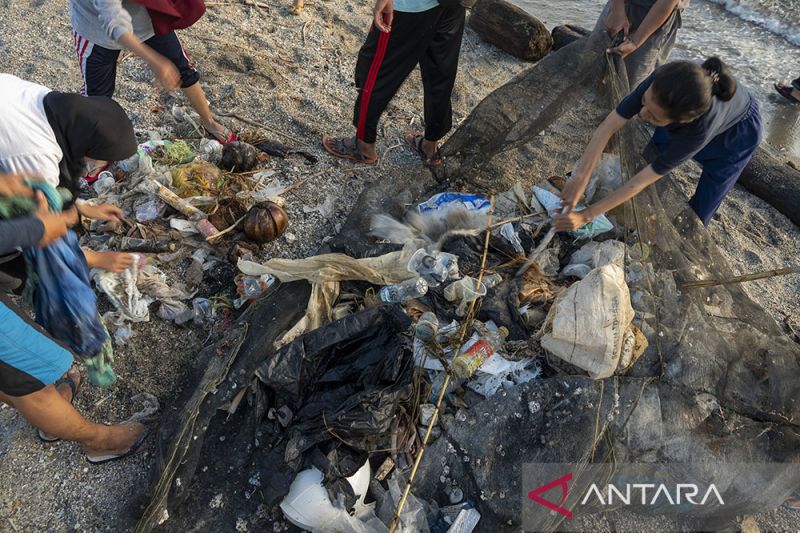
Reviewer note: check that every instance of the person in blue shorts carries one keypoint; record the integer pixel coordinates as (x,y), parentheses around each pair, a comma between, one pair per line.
(700,113)
(36,375)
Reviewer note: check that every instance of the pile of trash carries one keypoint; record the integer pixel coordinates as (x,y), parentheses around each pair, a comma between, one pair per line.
(192,208)
(344,373)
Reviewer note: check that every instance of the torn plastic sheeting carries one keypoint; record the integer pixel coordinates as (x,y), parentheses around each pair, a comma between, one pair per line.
(595,255)
(498,372)
(383,270)
(345,379)
(510,234)
(121,290)
(413,519)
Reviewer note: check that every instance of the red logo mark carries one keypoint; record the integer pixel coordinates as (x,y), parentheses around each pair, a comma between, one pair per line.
(560,482)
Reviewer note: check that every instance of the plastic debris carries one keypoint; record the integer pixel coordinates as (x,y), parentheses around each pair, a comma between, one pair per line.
(325,209)
(447,200)
(586,324)
(427,327)
(123,293)
(466,290)
(510,234)
(251,287)
(197,178)
(477,351)
(105,182)
(436,267)
(203,312)
(552,203)
(595,255)
(211,150)
(412,288)
(123,334)
(184,226)
(149,209)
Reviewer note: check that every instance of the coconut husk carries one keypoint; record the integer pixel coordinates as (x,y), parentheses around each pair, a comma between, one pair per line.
(536,287)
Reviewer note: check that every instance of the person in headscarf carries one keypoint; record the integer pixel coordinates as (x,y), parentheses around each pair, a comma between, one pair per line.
(48,135)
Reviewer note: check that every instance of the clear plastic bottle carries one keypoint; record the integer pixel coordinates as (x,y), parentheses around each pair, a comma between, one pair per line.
(470,360)
(435,267)
(411,288)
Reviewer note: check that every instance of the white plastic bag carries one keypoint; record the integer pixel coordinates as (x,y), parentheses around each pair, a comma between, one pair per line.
(595,255)
(586,324)
(606,178)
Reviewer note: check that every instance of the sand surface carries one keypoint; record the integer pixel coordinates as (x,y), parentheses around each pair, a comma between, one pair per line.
(293,74)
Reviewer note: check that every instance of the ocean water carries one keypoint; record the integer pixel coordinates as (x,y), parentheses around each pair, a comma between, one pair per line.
(758,39)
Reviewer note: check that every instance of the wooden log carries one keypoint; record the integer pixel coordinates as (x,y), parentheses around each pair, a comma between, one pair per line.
(775,181)
(566,34)
(511,29)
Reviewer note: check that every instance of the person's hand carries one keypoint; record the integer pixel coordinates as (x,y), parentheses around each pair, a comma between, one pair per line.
(572,193)
(571,221)
(167,76)
(55,224)
(107,212)
(624,49)
(383,15)
(617,21)
(14,185)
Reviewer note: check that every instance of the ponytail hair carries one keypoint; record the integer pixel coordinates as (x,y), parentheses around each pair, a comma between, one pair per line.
(685,89)
(723,84)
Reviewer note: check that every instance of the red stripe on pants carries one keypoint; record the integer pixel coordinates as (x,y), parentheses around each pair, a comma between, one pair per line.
(383,41)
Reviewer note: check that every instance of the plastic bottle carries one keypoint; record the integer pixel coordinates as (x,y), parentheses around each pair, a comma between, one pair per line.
(467,362)
(491,280)
(251,287)
(435,267)
(105,181)
(411,288)
(427,327)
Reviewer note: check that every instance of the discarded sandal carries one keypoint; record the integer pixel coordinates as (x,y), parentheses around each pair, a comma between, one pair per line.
(414,140)
(786,92)
(135,447)
(223,136)
(44,437)
(346,148)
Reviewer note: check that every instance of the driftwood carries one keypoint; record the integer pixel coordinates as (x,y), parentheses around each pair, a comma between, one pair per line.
(566,34)
(774,181)
(741,279)
(511,29)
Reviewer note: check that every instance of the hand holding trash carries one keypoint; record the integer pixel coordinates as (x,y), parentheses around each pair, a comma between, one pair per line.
(55,224)
(571,220)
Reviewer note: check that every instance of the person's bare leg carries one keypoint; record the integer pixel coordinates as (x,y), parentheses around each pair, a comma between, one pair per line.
(297,7)
(49,411)
(196,96)
(111,261)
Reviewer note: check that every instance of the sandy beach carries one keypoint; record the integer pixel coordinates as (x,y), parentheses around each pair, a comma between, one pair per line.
(294,74)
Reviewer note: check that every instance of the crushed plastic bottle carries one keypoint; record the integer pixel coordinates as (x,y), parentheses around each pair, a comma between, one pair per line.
(435,267)
(471,358)
(105,181)
(129,165)
(211,150)
(491,280)
(411,288)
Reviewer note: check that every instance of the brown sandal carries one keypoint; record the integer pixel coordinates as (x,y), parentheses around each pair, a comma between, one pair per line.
(414,140)
(341,148)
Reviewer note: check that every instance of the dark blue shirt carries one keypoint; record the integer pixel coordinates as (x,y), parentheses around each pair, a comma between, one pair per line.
(688,139)
(20,233)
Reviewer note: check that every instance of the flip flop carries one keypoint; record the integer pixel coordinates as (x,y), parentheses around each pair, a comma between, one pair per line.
(786,92)
(223,136)
(135,447)
(75,388)
(414,140)
(336,146)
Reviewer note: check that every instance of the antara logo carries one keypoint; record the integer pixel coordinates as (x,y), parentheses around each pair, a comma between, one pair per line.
(648,494)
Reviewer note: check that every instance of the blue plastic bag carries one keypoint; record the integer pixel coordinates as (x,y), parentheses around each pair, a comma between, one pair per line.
(446,200)
(65,303)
